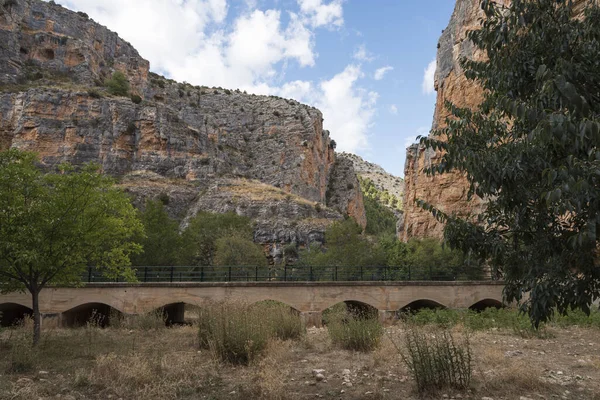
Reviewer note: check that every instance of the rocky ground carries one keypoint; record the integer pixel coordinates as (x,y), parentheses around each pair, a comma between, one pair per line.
(92,363)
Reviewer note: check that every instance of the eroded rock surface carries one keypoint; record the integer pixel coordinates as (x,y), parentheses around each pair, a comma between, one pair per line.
(205,148)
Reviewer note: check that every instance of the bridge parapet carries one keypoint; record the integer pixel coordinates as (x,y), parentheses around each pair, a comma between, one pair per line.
(309,298)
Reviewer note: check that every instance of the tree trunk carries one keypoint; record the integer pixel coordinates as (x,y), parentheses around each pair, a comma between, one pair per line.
(35,296)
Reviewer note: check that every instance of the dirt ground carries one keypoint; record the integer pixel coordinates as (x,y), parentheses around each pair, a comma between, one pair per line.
(93,363)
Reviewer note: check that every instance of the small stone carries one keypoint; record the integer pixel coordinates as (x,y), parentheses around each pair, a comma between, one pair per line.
(318,371)
(513,353)
(487,398)
(232,392)
(525,398)
(368,393)
(43,372)
(319,377)
(342,391)
(445,396)
(559,373)
(346,372)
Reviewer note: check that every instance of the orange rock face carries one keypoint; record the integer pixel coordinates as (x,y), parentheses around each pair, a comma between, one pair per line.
(447,192)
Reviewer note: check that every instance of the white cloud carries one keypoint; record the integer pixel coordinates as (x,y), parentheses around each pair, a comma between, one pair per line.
(380,72)
(361,54)
(321,14)
(348,110)
(394,109)
(429,78)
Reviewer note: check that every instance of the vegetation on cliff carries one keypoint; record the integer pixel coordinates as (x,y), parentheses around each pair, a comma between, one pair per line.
(531,149)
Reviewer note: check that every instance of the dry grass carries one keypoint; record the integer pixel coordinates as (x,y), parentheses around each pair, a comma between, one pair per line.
(94,363)
(257,191)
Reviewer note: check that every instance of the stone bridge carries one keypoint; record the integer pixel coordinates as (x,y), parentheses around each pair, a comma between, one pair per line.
(310,299)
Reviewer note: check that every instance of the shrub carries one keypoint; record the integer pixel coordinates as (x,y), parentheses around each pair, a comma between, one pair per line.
(284,322)
(118,85)
(353,331)
(95,94)
(235,333)
(437,360)
(156,319)
(136,99)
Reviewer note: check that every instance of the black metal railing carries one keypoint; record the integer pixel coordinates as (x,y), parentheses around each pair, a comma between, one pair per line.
(295,274)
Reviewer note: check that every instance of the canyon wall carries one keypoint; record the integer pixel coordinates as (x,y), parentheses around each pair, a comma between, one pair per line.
(204,148)
(447,192)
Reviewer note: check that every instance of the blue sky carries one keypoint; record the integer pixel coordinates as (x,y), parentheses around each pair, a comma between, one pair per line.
(361,62)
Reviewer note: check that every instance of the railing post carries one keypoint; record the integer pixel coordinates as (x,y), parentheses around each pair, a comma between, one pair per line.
(336,276)
(256,273)
(89,273)
(172,270)
(229,279)
(430,273)
(409,278)
(310,277)
(361,272)
(145,274)
(285,272)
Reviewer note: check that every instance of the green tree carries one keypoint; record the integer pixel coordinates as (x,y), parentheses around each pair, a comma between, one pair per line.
(162,242)
(118,84)
(200,237)
(238,251)
(52,226)
(345,246)
(531,149)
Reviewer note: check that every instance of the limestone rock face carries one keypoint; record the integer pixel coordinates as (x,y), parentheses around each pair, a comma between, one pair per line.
(206,149)
(447,192)
(35,33)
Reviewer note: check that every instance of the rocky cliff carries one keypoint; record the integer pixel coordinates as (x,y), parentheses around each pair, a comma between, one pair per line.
(448,192)
(206,148)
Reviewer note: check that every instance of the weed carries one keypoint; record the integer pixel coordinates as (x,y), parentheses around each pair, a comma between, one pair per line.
(437,361)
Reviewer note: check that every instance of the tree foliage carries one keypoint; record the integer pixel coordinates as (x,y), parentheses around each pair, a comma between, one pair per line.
(162,242)
(380,219)
(52,226)
(345,245)
(238,251)
(118,84)
(531,150)
(201,235)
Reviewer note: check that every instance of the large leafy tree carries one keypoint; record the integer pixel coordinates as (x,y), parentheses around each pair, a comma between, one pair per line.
(201,235)
(53,225)
(162,242)
(531,150)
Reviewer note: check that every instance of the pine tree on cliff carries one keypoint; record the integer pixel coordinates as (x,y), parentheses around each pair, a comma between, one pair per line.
(532,150)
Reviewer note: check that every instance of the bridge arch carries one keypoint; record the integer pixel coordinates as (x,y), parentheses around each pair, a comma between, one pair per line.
(420,304)
(275,302)
(12,313)
(93,312)
(351,302)
(487,303)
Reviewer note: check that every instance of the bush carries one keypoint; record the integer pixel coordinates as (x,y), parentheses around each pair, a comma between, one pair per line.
(353,331)
(156,319)
(437,361)
(235,333)
(95,94)
(284,322)
(136,99)
(118,85)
